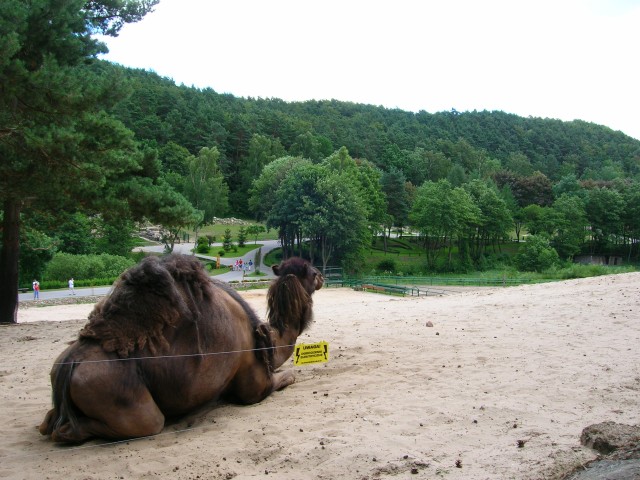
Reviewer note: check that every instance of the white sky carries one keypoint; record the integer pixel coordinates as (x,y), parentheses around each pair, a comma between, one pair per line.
(565,59)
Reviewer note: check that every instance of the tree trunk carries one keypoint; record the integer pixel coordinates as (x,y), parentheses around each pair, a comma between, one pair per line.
(9,256)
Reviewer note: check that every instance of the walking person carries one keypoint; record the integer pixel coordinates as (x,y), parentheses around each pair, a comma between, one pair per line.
(71,287)
(36,289)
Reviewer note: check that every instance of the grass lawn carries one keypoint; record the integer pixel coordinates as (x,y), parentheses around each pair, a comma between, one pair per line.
(218,229)
(142,242)
(234,252)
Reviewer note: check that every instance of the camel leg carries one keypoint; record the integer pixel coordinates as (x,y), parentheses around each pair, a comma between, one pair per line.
(46,427)
(109,406)
(111,420)
(254,384)
(281,380)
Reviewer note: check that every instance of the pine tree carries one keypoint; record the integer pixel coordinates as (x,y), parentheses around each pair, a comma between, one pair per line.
(59,149)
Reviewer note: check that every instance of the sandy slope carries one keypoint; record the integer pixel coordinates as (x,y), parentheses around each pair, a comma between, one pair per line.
(500,387)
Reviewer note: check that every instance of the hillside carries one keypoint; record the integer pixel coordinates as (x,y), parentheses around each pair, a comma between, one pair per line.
(424,146)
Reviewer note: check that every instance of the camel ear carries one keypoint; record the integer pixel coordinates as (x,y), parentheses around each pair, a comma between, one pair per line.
(276,269)
(263,330)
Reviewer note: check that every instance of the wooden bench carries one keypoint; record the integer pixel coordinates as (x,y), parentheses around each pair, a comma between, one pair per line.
(380,288)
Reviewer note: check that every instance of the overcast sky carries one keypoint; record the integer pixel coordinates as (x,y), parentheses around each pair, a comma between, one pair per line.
(565,59)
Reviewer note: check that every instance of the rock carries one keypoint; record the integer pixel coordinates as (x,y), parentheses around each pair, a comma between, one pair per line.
(609,470)
(607,437)
(621,446)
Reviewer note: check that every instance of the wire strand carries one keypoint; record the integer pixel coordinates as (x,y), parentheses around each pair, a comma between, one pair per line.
(154,357)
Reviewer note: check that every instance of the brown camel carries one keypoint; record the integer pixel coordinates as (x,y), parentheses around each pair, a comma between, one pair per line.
(169,339)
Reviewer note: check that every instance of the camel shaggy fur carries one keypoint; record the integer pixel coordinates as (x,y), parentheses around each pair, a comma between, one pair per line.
(169,339)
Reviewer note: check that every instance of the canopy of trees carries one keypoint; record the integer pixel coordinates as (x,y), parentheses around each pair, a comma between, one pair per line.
(60,149)
(87,147)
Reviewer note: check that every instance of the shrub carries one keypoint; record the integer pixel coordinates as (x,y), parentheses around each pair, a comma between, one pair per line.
(537,255)
(202,245)
(63,266)
(386,265)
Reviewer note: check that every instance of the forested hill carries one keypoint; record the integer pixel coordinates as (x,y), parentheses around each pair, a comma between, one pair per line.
(424,146)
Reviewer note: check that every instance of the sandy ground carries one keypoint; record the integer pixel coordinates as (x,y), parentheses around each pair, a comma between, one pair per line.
(500,387)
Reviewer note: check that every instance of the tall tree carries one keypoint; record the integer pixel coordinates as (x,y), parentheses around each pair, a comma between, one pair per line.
(442,214)
(631,217)
(394,186)
(494,221)
(571,226)
(337,221)
(58,147)
(205,187)
(262,151)
(295,198)
(427,165)
(262,195)
(604,209)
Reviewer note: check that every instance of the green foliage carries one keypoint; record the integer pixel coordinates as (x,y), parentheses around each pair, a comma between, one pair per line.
(242,236)
(386,266)
(444,215)
(323,202)
(537,255)
(604,208)
(61,150)
(575,270)
(255,230)
(262,195)
(114,235)
(83,267)
(204,184)
(570,226)
(257,260)
(74,234)
(227,243)
(37,250)
(202,245)
(394,186)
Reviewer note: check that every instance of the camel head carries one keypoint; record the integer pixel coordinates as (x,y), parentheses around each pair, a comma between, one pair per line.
(289,302)
(309,276)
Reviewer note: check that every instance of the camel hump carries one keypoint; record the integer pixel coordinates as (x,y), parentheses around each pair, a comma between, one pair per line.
(147,298)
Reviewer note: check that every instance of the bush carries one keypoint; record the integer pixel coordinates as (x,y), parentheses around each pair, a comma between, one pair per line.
(386,265)
(576,270)
(63,266)
(537,255)
(202,245)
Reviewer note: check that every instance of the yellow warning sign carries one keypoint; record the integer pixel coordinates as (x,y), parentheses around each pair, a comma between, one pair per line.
(306,353)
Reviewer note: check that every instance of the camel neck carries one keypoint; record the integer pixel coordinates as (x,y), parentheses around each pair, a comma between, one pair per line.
(285,344)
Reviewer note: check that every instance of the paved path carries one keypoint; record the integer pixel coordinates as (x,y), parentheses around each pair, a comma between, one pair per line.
(185,248)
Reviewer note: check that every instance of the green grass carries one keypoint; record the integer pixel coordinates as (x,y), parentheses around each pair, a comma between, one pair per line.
(143,242)
(234,252)
(218,230)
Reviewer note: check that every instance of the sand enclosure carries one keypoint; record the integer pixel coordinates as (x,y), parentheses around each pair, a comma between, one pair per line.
(499,387)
